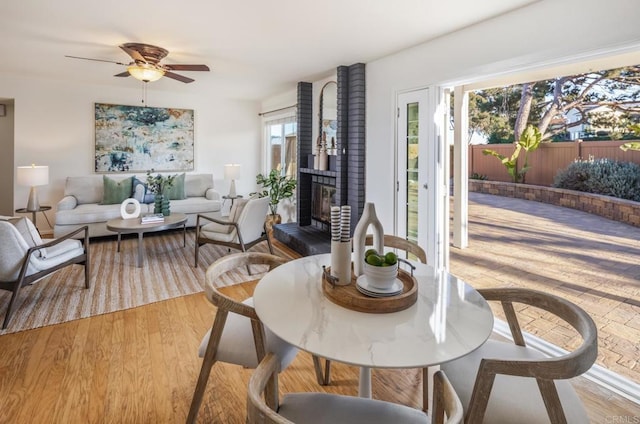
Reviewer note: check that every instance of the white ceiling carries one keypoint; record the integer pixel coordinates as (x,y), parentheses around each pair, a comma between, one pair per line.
(255,48)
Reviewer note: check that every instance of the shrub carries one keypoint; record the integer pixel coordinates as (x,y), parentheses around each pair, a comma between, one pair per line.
(602,176)
(476,176)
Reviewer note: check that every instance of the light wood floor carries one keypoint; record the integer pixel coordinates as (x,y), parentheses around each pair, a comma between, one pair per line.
(140,366)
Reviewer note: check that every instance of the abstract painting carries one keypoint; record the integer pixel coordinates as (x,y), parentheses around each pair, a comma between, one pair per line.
(136,139)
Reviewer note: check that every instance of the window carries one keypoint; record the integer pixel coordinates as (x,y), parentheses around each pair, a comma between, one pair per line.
(282,146)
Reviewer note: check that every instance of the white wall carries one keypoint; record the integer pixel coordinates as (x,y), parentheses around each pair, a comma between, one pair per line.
(6,160)
(54,125)
(550,31)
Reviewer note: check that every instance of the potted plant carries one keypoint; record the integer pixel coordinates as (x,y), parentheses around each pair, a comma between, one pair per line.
(158,184)
(277,187)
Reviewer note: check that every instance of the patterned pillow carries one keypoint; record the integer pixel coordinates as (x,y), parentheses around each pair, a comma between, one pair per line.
(141,192)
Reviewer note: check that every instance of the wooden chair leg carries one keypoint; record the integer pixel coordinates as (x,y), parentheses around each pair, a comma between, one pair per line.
(14,296)
(207,363)
(425,389)
(324,378)
(87,274)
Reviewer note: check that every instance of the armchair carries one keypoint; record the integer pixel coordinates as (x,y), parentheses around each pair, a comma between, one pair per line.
(25,258)
(237,335)
(244,228)
(510,382)
(331,408)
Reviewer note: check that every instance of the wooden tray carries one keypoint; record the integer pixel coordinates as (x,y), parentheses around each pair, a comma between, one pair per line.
(349,297)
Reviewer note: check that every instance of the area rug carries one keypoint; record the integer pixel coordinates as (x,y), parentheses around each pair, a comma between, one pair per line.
(117,283)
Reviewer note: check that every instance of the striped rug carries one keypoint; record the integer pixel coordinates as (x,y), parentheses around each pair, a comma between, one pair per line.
(116,281)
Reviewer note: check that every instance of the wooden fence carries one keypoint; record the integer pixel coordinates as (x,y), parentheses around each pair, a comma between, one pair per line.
(547,160)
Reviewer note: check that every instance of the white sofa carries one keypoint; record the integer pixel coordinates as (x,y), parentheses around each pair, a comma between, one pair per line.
(81,204)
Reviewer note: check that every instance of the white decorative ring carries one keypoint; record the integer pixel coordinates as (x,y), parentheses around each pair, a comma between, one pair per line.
(136,209)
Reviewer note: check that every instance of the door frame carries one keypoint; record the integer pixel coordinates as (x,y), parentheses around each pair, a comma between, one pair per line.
(434,199)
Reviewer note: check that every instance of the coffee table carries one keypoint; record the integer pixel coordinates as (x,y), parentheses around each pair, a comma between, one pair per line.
(133,225)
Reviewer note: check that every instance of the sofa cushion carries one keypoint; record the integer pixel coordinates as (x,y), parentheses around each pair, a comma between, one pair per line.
(176,191)
(196,185)
(194,205)
(91,213)
(116,191)
(88,189)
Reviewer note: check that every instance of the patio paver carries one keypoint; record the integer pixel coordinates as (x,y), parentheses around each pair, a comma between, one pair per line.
(590,260)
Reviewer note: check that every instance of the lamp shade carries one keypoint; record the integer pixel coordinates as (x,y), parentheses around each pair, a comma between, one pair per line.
(232,171)
(31,176)
(145,72)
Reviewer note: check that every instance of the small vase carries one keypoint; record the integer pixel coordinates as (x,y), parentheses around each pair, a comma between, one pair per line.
(368,217)
(162,205)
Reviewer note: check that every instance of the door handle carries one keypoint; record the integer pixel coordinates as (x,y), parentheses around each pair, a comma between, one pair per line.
(425,186)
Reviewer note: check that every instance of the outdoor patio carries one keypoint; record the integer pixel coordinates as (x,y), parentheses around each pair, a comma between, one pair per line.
(590,260)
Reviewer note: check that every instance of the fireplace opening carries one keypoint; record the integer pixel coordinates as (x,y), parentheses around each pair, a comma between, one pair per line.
(322,198)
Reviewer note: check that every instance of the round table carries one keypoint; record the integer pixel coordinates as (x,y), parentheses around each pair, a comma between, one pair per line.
(449,319)
(134,225)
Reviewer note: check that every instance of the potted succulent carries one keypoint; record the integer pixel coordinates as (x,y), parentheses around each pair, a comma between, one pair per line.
(277,187)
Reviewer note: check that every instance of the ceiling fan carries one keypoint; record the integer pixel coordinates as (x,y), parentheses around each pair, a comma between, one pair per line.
(146,64)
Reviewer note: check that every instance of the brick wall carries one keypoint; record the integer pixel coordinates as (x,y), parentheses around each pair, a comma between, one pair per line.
(609,207)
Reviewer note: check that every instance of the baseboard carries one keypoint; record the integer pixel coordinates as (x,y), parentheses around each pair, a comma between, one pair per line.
(598,374)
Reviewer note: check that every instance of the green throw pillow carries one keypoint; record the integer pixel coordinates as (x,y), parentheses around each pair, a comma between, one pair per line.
(176,192)
(116,192)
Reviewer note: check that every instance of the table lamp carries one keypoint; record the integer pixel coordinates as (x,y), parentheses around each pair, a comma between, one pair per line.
(33,176)
(232,172)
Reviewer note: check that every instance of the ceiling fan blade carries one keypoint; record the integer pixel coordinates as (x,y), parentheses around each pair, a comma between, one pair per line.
(97,60)
(135,55)
(184,79)
(175,67)
(122,74)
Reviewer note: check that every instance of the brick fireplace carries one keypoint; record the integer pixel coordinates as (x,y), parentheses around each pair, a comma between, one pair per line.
(344,186)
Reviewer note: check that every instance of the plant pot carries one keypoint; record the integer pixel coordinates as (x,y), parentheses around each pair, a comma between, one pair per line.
(162,205)
(273,219)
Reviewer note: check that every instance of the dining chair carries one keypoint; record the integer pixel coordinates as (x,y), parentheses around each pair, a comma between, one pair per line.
(312,408)
(395,242)
(237,336)
(26,258)
(243,229)
(504,382)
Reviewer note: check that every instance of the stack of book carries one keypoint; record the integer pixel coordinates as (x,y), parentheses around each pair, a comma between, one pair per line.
(153,218)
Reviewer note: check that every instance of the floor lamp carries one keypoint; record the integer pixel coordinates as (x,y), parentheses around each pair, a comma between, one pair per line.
(33,176)
(232,172)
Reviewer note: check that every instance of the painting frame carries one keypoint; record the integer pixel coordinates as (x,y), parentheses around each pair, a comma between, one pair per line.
(132,139)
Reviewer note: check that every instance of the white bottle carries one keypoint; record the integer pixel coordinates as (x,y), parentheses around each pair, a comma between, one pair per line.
(368,217)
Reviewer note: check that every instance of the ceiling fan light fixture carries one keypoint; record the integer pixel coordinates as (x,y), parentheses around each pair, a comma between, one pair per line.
(145,72)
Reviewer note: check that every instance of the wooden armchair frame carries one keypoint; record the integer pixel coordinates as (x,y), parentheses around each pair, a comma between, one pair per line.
(241,245)
(265,380)
(543,370)
(225,305)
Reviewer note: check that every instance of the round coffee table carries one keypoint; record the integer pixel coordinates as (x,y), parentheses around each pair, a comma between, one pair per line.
(134,225)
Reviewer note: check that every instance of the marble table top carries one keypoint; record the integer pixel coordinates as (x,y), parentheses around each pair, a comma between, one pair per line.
(449,319)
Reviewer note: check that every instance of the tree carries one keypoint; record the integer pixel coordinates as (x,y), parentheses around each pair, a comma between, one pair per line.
(540,102)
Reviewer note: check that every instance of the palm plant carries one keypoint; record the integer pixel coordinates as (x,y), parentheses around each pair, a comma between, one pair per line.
(529,141)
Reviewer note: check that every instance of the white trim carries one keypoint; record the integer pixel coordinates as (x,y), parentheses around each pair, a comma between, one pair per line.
(532,69)
(598,374)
